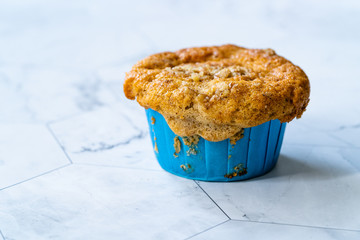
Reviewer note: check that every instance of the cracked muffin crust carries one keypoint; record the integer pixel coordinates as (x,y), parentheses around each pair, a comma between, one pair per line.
(215,91)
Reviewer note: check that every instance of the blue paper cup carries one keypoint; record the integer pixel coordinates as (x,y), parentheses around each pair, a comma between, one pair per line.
(253,154)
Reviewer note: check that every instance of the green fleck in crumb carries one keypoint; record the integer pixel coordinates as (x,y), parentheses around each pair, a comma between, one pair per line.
(191,140)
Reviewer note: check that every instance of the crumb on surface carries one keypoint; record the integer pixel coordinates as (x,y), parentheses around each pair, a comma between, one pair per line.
(152,120)
(191,140)
(187,168)
(239,170)
(177,146)
(191,151)
(239,135)
(156,148)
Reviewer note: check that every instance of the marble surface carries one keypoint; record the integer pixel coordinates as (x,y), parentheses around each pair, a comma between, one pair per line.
(76,160)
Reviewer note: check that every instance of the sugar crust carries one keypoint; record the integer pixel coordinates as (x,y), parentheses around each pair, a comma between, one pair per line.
(215,91)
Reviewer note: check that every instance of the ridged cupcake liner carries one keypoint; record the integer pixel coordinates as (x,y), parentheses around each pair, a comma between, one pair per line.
(249,154)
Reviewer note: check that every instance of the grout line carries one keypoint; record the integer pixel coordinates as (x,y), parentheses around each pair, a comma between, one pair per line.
(341,140)
(212,199)
(207,229)
(2,235)
(26,180)
(298,225)
(57,140)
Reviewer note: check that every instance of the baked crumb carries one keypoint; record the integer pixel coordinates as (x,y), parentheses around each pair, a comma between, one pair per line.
(187,168)
(236,137)
(152,120)
(191,151)
(214,91)
(191,142)
(239,170)
(177,146)
(156,148)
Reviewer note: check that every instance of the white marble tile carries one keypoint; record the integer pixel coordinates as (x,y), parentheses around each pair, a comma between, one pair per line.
(352,155)
(298,133)
(306,41)
(116,72)
(27,151)
(114,135)
(77,35)
(312,186)
(333,104)
(131,107)
(349,134)
(276,24)
(260,231)
(44,95)
(88,202)
(13,103)
(113,77)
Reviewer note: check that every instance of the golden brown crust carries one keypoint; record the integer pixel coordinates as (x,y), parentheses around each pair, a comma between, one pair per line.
(215,91)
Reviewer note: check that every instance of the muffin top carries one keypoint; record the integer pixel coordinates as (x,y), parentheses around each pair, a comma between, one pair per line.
(216,91)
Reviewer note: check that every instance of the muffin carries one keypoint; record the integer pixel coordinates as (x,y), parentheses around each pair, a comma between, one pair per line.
(218,113)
